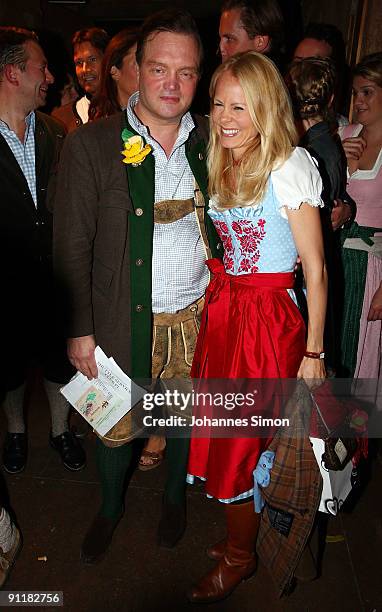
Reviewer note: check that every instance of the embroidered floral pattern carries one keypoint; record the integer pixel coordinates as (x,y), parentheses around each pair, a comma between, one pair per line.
(221,227)
(223,231)
(241,245)
(229,263)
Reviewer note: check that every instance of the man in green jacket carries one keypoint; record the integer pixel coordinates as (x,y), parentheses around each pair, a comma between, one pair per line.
(130,248)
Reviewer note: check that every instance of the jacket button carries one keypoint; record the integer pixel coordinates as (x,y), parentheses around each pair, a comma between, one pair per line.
(139,262)
(139,307)
(139,212)
(219,246)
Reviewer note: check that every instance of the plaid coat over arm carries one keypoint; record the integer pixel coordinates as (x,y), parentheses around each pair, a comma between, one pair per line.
(294,490)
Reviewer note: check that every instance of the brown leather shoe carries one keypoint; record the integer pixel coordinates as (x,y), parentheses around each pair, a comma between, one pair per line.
(224,578)
(216,551)
(238,562)
(98,539)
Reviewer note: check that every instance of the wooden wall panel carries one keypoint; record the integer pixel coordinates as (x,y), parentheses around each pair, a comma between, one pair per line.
(346,15)
(341,13)
(337,13)
(372,36)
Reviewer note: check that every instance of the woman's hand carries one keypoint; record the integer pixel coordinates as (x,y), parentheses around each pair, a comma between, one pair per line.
(375,310)
(341,213)
(312,371)
(354,147)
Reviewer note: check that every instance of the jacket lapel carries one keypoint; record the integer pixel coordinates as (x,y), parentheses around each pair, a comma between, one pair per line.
(10,168)
(196,155)
(45,152)
(41,143)
(10,164)
(141,181)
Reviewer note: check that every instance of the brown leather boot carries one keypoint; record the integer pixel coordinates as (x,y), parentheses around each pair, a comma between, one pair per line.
(238,561)
(216,551)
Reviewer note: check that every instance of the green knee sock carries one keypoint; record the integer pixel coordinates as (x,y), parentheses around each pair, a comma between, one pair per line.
(112,464)
(176,460)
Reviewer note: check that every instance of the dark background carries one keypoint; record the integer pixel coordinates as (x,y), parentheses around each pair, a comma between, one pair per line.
(55,23)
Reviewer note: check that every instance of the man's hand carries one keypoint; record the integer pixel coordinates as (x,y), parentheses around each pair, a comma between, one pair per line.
(375,310)
(81,355)
(341,213)
(354,147)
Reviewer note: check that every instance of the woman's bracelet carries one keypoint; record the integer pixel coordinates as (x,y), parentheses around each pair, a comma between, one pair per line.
(313,355)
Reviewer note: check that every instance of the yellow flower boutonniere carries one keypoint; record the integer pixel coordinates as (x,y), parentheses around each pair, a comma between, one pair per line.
(135,150)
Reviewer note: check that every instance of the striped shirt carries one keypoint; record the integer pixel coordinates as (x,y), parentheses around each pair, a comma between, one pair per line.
(24,152)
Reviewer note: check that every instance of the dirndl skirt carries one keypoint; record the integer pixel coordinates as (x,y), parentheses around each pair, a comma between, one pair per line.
(250,329)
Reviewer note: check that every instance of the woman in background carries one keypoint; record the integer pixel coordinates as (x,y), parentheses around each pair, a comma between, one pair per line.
(69,92)
(361,338)
(118,76)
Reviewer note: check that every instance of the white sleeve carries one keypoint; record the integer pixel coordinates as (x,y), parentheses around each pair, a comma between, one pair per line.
(297,181)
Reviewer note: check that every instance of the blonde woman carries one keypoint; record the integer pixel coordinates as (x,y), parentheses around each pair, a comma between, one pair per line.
(265,198)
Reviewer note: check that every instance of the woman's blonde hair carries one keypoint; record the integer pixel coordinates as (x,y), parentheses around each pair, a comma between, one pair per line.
(270,109)
(370,67)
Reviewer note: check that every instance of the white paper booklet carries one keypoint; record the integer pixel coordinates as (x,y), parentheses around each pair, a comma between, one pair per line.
(103,401)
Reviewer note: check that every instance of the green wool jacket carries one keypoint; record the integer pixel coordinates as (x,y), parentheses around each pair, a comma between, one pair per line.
(103,229)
